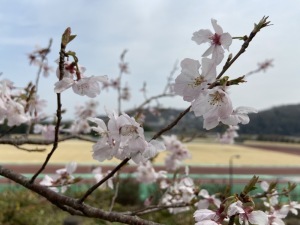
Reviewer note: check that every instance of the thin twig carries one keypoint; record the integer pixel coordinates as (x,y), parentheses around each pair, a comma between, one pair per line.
(58,113)
(171,125)
(16,141)
(115,195)
(111,174)
(257,27)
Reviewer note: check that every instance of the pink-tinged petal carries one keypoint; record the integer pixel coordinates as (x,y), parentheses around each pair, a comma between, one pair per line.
(209,70)
(264,185)
(235,208)
(218,29)
(102,150)
(202,36)
(203,204)
(100,78)
(208,51)
(210,122)
(200,105)
(71,167)
(277,221)
(63,84)
(226,40)
(190,67)
(204,193)
(204,214)
(101,125)
(217,53)
(245,110)
(258,217)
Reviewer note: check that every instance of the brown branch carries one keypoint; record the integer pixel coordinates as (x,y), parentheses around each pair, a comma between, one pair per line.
(72,205)
(111,174)
(257,27)
(153,98)
(171,125)
(17,141)
(30,150)
(58,110)
(155,208)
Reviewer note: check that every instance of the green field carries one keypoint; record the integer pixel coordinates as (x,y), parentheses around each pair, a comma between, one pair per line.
(202,154)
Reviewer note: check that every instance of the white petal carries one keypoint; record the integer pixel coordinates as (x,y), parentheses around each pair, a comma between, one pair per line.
(202,36)
(218,29)
(226,40)
(258,218)
(209,69)
(63,84)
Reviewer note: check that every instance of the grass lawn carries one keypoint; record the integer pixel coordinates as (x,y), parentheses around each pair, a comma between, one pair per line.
(202,154)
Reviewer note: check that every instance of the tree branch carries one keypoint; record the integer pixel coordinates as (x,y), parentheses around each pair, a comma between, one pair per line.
(72,205)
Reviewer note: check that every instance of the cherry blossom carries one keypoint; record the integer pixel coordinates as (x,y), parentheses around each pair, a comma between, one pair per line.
(46,130)
(207,200)
(147,174)
(239,115)
(177,152)
(88,86)
(292,207)
(63,178)
(228,136)
(15,113)
(123,138)
(74,77)
(207,217)
(179,192)
(272,195)
(214,105)
(246,214)
(190,83)
(217,40)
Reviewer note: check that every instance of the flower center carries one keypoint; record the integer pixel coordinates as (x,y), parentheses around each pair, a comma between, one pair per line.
(216,39)
(128,130)
(216,98)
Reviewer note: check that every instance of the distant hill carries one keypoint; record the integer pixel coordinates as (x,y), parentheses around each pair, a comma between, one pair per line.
(280,120)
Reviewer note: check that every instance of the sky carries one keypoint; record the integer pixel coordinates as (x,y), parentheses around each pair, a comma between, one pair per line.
(157,34)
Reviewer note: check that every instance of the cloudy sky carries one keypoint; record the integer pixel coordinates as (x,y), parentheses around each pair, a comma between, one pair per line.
(157,33)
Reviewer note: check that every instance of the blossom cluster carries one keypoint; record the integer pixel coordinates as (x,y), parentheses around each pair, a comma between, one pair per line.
(18,105)
(123,138)
(177,152)
(73,76)
(61,179)
(180,192)
(243,209)
(207,93)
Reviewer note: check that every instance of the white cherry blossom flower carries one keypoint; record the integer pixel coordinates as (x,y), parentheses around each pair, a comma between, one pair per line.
(16,113)
(48,131)
(239,115)
(88,86)
(207,200)
(214,105)
(217,40)
(69,69)
(207,217)
(246,214)
(190,82)
(147,174)
(292,207)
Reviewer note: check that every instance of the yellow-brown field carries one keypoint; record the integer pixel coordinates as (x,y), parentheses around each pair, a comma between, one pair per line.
(202,154)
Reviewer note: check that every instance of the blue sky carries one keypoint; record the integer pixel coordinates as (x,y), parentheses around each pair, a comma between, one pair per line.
(156,33)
